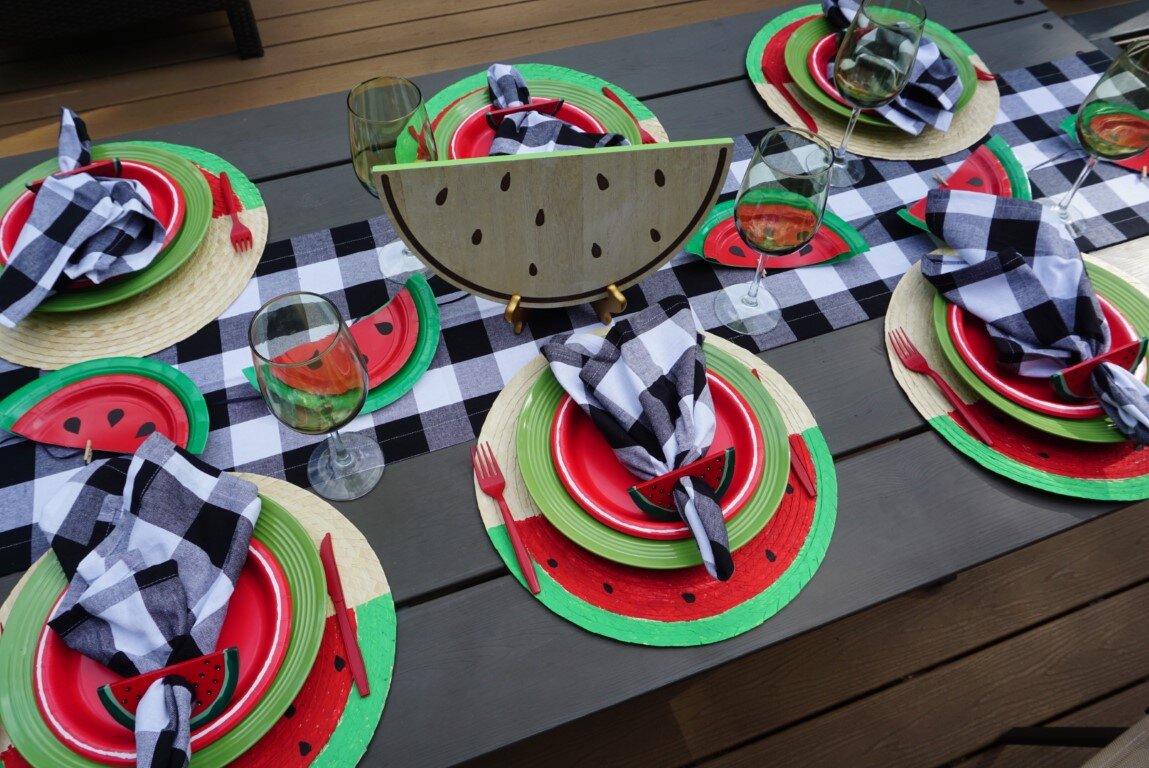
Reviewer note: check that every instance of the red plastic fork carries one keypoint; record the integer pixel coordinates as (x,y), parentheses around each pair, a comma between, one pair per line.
(241,239)
(492,483)
(914,360)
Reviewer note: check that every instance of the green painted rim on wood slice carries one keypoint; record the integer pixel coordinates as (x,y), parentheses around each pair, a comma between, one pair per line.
(426,343)
(804,38)
(533,440)
(17,404)
(197,218)
(547,80)
(292,547)
(1131,303)
(711,629)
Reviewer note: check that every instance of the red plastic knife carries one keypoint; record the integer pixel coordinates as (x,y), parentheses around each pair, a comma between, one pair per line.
(350,641)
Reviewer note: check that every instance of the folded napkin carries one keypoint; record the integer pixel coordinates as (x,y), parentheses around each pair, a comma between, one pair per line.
(152,547)
(932,90)
(526,132)
(1017,269)
(644,387)
(80,226)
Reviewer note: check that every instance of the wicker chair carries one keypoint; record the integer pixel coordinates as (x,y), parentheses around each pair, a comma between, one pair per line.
(40,20)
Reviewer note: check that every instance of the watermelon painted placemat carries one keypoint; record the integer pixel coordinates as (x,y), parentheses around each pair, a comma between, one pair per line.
(189,298)
(1105,471)
(683,606)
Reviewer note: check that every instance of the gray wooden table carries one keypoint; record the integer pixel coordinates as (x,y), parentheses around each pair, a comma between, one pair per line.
(481,665)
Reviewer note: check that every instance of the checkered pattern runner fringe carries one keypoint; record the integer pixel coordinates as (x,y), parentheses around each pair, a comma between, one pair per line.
(478,353)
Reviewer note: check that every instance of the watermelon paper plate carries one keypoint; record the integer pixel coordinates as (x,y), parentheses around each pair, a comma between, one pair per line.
(992,168)
(718,242)
(289,543)
(1136,163)
(115,402)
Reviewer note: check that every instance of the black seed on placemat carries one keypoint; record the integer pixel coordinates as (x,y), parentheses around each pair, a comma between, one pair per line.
(602,182)
(304,748)
(659,178)
(476,237)
(145,429)
(441,197)
(540,218)
(290,713)
(789,488)
(607,588)
(770,555)
(532,269)
(114,416)
(384,328)
(595,250)
(339,663)
(505,184)
(552,562)
(655,235)
(688,597)
(1043,454)
(72,424)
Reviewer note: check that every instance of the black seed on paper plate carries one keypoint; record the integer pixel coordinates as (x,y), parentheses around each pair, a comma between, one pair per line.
(806,250)
(770,555)
(114,416)
(595,250)
(304,748)
(532,269)
(505,184)
(602,182)
(339,663)
(552,562)
(975,182)
(476,237)
(441,197)
(688,597)
(540,218)
(290,713)
(607,588)
(72,424)
(316,363)
(735,250)
(659,177)
(145,429)
(384,328)
(655,235)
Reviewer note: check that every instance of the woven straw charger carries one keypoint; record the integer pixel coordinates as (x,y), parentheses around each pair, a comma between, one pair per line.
(969,124)
(194,295)
(1109,471)
(328,724)
(682,606)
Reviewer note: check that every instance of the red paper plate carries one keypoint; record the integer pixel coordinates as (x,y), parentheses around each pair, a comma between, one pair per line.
(975,347)
(724,245)
(474,136)
(387,337)
(596,480)
(115,411)
(167,204)
(258,622)
(982,171)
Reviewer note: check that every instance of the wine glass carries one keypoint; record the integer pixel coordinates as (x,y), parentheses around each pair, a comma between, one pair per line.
(1112,123)
(778,210)
(874,61)
(312,377)
(380,112)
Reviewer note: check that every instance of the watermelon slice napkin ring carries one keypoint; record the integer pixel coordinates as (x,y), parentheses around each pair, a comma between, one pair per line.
(212,679)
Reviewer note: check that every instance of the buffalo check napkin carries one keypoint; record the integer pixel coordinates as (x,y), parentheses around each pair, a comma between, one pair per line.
(644,387)
(152,546)
(526,132)
(80,226)
(933,88)
(1017,269)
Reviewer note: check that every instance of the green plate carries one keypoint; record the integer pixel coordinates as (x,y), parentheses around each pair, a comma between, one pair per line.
(290,544)
(533,442)
(456,102)
(1127,299)
(197,196)
(798,49)
(17,404)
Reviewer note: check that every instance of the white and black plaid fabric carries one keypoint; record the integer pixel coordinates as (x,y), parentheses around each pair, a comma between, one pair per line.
(478,354)
(152,547)
(644,387)
(80,226)
(933,88)
(522,133)
(1014,266)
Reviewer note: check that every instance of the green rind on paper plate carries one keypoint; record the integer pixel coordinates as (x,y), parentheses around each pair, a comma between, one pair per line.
(291,545)
(762,38)
(712,629)
(533,439)
(725,210)
(426,343)
(197,196)
(1127,299)
(375,628)
(17,404)
(1125,489)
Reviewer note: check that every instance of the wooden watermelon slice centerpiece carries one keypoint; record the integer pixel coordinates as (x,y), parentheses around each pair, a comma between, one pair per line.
(555,229)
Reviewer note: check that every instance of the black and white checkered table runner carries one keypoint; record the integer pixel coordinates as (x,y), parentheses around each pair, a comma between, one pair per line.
(478,353)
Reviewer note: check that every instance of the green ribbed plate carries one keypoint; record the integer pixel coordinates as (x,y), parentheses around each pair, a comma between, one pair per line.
(292,547)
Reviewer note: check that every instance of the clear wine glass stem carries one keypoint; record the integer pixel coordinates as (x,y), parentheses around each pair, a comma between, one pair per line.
(339,453)
(751,297)
(1062,207)
(840,152)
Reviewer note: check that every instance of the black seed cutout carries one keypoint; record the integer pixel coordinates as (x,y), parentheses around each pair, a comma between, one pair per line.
(688,597)
(736,251)
(595,250)
(552,562)
(72,425)
(607,588)
(975,182)
(114,416)
(540,218)
(770,555)
(441,197)
(789,488)
(1043,454)
(290,713)
(655,235)
(384,328)
(476,237)
(659,177)
(532,269)
(339,663)
(505,184)
(304,748)
(145,429)
(602,182)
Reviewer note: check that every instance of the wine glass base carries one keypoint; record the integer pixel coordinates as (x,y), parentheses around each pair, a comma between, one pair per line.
(847,173)
(360,475)
(1073,218)
(748,319)
(396,259)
